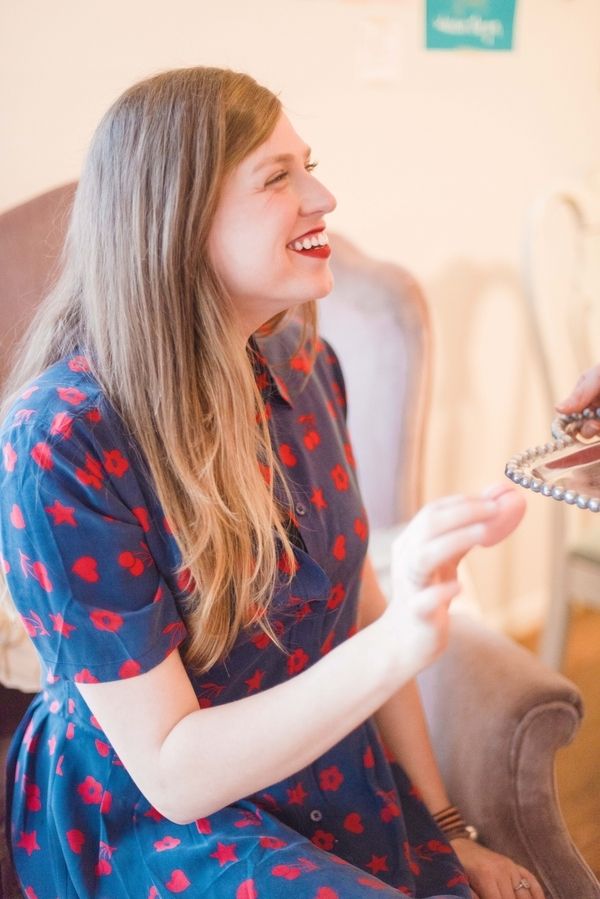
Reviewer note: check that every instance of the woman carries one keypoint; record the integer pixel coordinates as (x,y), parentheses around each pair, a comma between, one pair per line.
(183,536)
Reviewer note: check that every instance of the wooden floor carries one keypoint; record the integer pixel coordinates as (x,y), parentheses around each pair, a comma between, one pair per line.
(578,765)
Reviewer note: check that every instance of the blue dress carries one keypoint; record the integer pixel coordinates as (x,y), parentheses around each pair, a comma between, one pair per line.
(90,562)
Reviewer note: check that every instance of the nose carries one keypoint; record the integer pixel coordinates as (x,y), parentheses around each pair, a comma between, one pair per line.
(316,199)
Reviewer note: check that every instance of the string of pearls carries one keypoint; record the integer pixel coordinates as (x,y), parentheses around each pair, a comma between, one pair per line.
(518,469)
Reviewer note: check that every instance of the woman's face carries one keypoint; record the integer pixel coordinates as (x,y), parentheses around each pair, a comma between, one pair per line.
(269,203)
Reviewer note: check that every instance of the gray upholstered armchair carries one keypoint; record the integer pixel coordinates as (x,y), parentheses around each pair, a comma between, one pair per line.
(497,716)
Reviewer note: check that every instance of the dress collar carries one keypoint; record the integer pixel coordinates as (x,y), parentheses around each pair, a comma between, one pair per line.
(267,381)
(280,368)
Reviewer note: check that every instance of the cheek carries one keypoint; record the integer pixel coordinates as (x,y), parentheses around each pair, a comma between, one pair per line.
(251,269)
(231,253)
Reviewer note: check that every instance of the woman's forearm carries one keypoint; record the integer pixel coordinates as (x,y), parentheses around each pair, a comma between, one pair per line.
(401,719)
(402,725)
(215,756)
(190,762)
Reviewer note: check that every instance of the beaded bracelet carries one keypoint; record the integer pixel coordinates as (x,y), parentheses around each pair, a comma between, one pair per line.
(453,825)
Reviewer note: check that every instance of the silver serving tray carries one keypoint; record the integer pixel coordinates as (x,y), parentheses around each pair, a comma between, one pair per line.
(565,469)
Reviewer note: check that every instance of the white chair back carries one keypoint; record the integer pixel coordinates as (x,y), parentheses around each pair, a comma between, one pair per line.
(377,321)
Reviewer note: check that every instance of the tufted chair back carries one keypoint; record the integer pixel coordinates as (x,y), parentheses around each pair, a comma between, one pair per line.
(31,237)
(377,320)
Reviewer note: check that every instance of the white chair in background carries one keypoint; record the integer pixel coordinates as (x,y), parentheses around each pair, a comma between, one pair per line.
(562,280)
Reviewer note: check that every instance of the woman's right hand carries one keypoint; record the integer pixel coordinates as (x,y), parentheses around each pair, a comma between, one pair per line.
(586,392)
(424,561)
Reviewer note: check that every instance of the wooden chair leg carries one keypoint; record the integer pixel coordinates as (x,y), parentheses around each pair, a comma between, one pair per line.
(554,635)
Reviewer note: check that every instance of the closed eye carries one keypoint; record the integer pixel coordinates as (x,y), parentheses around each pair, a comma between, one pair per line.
(281,176)
(276,178)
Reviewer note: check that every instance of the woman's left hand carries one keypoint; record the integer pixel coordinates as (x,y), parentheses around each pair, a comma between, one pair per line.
(494,876)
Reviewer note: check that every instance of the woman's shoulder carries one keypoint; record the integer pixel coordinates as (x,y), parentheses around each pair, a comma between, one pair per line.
(64,397)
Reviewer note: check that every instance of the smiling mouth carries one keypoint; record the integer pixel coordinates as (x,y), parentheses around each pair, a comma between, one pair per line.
(315,245)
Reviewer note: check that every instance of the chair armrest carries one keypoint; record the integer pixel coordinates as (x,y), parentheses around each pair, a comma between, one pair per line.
(497,716)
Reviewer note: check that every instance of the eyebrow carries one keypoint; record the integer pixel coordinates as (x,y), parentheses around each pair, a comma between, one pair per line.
(281,157)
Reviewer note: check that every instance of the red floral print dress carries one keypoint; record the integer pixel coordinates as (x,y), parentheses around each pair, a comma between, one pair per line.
(90,562)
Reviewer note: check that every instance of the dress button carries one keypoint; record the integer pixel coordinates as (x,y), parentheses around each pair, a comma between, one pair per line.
(300,509)
(316,815)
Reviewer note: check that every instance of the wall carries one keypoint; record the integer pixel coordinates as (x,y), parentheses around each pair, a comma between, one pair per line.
(435,166)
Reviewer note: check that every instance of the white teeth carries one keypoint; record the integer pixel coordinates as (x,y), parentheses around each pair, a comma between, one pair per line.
(308,243)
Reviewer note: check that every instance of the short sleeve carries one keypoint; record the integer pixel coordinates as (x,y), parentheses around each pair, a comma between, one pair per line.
(74,539)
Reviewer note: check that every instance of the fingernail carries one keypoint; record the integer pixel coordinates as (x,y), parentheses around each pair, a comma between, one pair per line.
(564,404)
(491,487)
(494,488)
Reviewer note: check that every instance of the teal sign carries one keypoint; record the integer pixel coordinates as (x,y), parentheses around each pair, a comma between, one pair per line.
(475,24)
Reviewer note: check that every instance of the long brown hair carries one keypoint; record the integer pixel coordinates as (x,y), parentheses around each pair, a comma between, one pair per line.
(137,291)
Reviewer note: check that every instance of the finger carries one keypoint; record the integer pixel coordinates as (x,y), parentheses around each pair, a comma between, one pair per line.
(409,547)
(474,895)
(507,882)
(488,889)
(511,880)
(535,890)
(586,390)
(437,633)
(590,428)
(437,558)
(494,491)
(432,598)
(441,551)
(511,509)
(444,501)
(446,572)
(433,509)
(463,511)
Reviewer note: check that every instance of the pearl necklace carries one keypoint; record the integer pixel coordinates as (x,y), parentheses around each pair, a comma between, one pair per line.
(565,429)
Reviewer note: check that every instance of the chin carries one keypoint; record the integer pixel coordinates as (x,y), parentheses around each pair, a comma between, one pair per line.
(322,288)
(307,291)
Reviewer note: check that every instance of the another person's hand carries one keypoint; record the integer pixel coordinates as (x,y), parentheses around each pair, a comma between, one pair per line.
(586,392)
(424,565)
(494,876)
